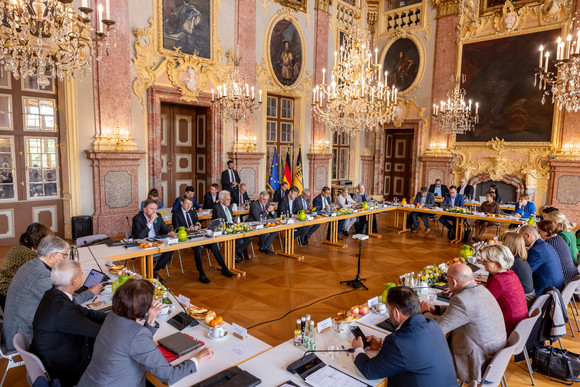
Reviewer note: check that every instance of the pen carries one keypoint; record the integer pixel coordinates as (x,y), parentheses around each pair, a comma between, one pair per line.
(95,299)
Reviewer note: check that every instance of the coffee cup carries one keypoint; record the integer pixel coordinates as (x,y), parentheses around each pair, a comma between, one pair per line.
(381,308)
(217,332)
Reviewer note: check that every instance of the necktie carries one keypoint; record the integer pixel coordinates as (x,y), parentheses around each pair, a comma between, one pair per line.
(263,208)
(231,175)
(189,222)
(241,199)
(228,215)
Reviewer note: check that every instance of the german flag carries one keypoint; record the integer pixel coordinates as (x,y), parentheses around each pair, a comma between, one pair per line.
(287,171)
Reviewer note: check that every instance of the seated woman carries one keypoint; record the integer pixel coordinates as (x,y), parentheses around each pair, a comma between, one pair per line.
(524,207)
(19,255)
(152,195)
(549,232)
(345,201)
(504,284)
(359,197)
(493,188)
(490,206)
(565,231)
(124,349)
(517,246)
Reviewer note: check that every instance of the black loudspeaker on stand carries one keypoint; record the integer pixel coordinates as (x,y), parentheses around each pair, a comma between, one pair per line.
(357,282)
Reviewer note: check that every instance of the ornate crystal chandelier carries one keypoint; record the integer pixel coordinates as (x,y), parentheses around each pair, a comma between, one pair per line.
(236,101)
(454,116)
(564,83)
(357,97)
(48,38)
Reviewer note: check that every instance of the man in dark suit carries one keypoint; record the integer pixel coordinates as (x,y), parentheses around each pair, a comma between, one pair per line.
(416,354)
(289,206)
(260,210)
(190,193)
(149,224)
(62,328)
(454,200)
(438,189)
(304,198)
(211,197)
(230,177)
(280,192)
(322,201)
(240,196)
(222,210)
(186,217)
(465,189)
(424,199)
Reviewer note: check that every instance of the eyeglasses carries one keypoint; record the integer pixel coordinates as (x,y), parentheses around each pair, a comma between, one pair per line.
(63,254)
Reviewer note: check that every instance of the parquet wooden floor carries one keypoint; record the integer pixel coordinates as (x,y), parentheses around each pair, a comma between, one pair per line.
(275,285)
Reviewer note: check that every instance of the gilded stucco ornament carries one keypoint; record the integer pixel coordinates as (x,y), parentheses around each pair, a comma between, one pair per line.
(147,61)
(290,6)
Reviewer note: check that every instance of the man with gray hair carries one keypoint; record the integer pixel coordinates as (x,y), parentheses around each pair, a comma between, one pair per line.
(28,286)
(62,328)
(260,210)
(222,210)
(474,321)
(240,195)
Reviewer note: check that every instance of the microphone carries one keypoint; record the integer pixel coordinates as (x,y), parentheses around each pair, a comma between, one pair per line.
(350,350)
(95,258)
(128,224)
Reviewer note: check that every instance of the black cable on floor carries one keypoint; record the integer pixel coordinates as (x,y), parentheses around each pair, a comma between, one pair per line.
(302,307)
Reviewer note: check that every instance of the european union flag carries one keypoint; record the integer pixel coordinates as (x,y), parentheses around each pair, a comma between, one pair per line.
(274,182)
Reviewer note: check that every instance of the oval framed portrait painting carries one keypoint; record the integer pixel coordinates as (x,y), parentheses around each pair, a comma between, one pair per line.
(286,48)
(404,63)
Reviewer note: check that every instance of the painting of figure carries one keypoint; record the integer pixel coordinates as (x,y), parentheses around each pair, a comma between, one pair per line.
(187,26)
(286,52)
(402,64)
(500,77)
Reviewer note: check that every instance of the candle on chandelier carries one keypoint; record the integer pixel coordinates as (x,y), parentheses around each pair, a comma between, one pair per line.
(476,107)
(247,90)
(225,90)
(212,99)
(578,42)
(260,93)
(100,9)
(395,99)
(470,106)
(558,48)
(568,44)
(335,58)
(323,76)
(85,3)
(541,55)
(547,57)
(252,89)
(108,9)
(376,56)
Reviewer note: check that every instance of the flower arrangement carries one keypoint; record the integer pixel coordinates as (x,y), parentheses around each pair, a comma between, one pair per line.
(459,210)
(430,274)
(237,229)
(344,211)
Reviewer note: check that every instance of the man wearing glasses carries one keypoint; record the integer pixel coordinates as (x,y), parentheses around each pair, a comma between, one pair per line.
(28,286)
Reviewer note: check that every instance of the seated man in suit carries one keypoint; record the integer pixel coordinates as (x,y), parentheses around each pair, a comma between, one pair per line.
(222,210)
(62,328)
(416,354)
(187,218)
(28,286)
(543,260)
(438,189)
(305,199)
(454,200)
(240,196)
(261,210)
(280,192)
(211,197)
(424,199)
(465,189)
(230,178)
(289,206)
(474,321)
(322,203)
(190,193)
(149,224)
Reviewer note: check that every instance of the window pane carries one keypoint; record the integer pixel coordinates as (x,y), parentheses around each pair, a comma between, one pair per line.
(335,164)
(31,84)
(335,138)
(5,112)
(4,78)
(272,106)
(7,186)
(344,163)
(39,114)
(344,139)
(271,131)
(286,132)
(287,108)
(42,167)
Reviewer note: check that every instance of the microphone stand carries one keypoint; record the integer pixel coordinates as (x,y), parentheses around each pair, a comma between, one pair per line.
(357,281)
(350,350)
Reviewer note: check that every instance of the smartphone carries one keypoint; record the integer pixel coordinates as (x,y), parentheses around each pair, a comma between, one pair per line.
(356,331)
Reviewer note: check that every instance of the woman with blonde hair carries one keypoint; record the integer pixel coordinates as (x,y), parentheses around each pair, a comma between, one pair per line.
(517,246)
(504,284)
(565,231)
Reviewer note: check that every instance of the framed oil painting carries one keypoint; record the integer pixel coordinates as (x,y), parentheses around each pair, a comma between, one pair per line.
(186,24)
(500,77)
(404,64)
(286,52)
(487,6)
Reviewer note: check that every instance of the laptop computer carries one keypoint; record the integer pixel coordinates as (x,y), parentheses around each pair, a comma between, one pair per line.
(179,343)
(214,225)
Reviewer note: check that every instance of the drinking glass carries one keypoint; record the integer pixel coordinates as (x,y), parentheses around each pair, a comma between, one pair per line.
(332,351)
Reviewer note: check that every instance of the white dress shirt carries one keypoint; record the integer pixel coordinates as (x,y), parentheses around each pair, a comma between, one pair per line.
(152,233)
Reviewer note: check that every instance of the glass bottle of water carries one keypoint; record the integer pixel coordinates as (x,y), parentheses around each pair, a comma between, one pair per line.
(312,336)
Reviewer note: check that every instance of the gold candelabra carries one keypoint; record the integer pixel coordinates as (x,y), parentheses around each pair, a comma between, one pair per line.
(118,138)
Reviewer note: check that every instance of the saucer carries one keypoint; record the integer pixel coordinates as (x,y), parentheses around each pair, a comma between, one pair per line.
(377,312)
(219,338)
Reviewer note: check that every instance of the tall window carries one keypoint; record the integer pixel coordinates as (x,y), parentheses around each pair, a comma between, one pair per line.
(279,130)
(340,157)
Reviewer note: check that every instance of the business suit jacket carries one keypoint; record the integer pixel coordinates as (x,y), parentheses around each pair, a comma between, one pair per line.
(140,229)
(475,322)
(208,201)
(467,192)
(178,219)
(256,212)
(61,332)
(278,194)
(320,203)
(546,267)
(124,352)
(416,354)
(226,181)
(284,205)
(459,200)
(219,213)
(236,197)
(444,189)
(429,199)
(26,290)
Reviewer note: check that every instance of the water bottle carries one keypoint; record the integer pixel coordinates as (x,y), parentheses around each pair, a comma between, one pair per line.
(75,253)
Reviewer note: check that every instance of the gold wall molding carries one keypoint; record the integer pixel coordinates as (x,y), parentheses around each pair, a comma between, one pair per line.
(290,6)
(322,5)
(446,7)
(372,14)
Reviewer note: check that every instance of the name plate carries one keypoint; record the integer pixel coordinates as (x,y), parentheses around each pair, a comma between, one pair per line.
(290,221)
(183,300)
(238,331)
(217,233)
(108,262)
(333,214)
(310,218)
(259,227)
(171,241)
(373,301)
(324,325)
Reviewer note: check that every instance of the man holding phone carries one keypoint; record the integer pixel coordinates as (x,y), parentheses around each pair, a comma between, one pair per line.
(415,354)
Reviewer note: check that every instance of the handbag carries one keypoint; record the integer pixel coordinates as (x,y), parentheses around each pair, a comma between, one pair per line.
(557,363)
